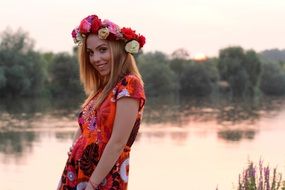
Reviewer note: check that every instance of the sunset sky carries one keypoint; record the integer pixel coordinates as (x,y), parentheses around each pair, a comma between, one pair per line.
(199,26)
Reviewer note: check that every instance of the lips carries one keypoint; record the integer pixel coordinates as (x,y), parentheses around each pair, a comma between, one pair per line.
(101,66)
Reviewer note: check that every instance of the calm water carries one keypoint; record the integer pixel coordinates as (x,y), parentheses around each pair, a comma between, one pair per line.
(189,144)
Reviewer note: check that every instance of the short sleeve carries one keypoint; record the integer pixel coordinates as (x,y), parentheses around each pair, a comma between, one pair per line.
(131,86)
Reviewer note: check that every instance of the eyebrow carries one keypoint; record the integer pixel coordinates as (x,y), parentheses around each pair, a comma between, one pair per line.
(103,44)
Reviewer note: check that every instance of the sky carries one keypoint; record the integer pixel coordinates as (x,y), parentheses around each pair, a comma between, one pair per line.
(198,26)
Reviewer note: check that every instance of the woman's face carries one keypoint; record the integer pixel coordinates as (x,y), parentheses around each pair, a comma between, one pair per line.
(99,54)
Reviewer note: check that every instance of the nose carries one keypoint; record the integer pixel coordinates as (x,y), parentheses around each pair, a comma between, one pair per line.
(95,58)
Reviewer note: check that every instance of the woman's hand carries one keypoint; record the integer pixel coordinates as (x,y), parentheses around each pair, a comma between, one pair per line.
(70,150)
(90,187)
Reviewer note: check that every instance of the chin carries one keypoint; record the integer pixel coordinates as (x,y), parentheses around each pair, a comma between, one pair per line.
(104,74)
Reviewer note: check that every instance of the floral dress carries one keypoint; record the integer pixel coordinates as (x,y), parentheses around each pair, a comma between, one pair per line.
(96,128)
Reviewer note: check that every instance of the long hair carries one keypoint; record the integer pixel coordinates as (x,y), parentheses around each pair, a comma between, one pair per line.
(122,63)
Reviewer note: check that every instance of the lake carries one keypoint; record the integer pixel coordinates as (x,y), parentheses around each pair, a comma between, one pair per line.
(193,144)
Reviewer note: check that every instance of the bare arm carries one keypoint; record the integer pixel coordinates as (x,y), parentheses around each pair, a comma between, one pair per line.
(126,113)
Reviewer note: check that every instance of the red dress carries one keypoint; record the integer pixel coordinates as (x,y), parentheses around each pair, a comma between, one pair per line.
(96,127)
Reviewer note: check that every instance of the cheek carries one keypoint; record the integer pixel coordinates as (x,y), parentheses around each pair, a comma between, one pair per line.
(91,63)
(109,66)
(108,59)
(107,55)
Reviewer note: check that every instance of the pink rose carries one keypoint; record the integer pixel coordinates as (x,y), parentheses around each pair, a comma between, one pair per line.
(113,28)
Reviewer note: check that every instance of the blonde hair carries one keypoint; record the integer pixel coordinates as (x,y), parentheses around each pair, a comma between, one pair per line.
(122,63)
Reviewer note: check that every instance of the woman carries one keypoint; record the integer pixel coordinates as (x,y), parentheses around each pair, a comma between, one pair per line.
(111,114)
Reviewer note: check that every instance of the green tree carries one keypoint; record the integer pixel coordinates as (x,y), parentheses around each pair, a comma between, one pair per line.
(64,76)
(159,79)
(2,78)
(240,69)
(180,54)
(253,69)
(22,67)
(151,57)
(18,42)
(198,79)
(272,79)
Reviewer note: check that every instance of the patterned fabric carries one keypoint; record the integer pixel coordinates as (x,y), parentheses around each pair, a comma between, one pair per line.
(96,127)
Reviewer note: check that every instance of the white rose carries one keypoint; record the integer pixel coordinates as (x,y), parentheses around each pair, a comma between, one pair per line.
(132,46)
(103,33)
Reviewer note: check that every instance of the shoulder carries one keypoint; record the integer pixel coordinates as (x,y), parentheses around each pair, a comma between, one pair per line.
(130,86)
(130,80)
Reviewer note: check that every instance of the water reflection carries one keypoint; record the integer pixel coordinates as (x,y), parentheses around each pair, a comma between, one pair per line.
(226,112)
(16,144)
(26,107)
(169,109)
(236,134)
(247,110)
(233,120)
(19,114)
(179,136)
(64,135)
(23,120)
(184,130)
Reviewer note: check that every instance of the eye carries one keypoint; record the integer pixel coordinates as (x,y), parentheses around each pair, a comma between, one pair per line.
(103,49)
(90,53)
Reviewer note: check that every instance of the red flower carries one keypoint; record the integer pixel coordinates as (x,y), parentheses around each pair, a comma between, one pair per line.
(141,40)
(84,26)
(128,33)
(96,24)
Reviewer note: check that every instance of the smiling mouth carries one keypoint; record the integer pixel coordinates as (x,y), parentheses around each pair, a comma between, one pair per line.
(101,66)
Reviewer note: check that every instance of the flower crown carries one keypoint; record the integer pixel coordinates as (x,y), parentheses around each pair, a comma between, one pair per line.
(108,30)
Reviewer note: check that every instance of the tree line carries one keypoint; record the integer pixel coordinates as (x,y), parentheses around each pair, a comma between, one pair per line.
(236,72)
